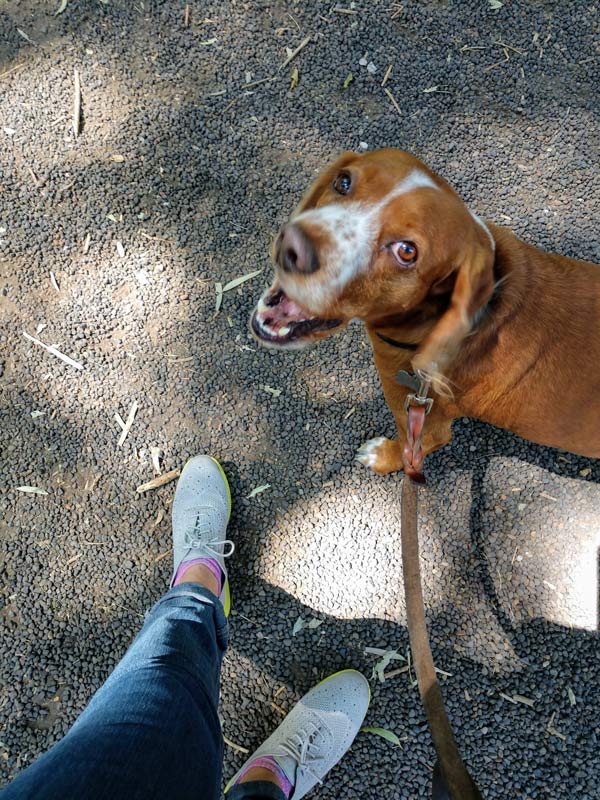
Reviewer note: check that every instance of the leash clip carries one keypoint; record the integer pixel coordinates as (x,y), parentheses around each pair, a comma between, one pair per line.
(419,397)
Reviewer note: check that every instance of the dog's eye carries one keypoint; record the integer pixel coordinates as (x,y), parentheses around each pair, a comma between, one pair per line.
(404,252)
(342,183)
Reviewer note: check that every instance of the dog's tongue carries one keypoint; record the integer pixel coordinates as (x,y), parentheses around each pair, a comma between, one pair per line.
(290,310)
(279,311)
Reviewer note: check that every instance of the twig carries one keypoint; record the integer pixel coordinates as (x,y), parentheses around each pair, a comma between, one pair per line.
(155,483)
(55,352)
(293,55)
(257,83)
(77,105)
(234,745)
(186,16)
(163,555)
(343,11)
(387,75)
(34,177)
(509,47)
(12,69)
(156,238)
(128,423)
(393,101)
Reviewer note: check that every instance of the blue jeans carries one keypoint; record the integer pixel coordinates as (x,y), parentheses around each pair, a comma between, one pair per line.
(152,730)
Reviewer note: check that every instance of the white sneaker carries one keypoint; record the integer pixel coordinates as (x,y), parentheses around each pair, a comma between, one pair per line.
(317,732)
(201,511)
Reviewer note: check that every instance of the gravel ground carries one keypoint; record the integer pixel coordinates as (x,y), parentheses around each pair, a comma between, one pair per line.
(192,173)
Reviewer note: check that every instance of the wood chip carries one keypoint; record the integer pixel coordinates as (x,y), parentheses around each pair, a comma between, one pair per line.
(120,249)
(159,518)
(55,352)
(155,455)
(86,243)
(53,281)
(128,423)
(76,104)
(159,481)
(278,709)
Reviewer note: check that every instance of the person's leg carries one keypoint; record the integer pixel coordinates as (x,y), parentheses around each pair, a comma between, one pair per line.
(152,730)
(309,742)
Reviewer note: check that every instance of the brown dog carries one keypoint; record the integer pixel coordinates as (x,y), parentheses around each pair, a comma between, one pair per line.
(508,333)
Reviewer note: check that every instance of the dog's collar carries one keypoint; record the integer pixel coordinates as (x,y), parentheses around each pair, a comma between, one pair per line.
(394,343)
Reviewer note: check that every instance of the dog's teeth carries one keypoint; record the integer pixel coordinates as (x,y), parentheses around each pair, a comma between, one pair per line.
(283,331)
(262,308)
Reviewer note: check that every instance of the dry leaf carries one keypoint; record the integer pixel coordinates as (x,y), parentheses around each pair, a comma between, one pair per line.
(219,298)
(585,472)
(258,490)
(117,158)
(298,625)
(495,4)
(383,663)
(390,736)
(348,80)
(120,249)
(274,392)
(31,490)
(571,695)
(295,77)
(238,281)
(36,414)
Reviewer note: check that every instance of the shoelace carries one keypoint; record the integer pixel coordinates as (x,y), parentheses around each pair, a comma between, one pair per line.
(299,746)
(197,537)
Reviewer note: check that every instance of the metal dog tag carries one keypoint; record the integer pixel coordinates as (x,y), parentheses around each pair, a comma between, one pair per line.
(404,378)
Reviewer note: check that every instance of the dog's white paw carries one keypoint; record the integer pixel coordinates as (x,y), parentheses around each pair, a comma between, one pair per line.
(381,455)
(367,452)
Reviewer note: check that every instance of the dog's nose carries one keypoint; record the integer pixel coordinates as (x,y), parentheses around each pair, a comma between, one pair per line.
(296,251)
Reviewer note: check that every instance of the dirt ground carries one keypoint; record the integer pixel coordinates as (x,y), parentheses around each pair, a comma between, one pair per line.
(194,146)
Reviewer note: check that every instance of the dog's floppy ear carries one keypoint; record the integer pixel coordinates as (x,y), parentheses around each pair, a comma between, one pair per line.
(473,287)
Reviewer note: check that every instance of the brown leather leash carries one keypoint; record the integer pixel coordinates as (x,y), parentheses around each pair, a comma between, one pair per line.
(451,777)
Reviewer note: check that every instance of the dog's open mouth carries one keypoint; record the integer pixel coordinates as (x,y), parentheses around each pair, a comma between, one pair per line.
(278,320)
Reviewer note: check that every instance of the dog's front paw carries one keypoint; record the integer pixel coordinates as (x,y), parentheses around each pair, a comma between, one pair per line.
(381,455)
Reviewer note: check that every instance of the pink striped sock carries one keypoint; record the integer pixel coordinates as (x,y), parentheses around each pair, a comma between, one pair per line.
(268,762)
(211,563)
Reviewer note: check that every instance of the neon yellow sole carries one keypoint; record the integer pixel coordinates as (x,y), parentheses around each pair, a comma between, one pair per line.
(333,675)
(226,589)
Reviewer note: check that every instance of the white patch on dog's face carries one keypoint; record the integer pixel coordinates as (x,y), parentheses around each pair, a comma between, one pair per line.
(480,222)
(351,229)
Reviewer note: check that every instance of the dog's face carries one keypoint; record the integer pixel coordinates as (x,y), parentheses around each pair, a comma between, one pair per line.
(373,237)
